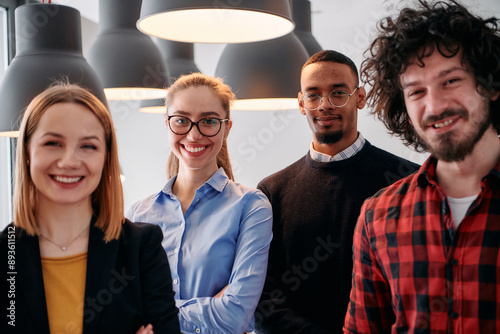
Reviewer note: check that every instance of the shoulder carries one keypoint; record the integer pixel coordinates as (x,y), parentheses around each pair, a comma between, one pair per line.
(386,165)
(283,176)
(392,197)
(387,158)
(250,195)
(390,158)
(141,207)
(140,233)
(11,233)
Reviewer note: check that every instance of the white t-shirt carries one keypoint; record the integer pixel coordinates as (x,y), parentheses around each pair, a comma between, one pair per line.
(459,207)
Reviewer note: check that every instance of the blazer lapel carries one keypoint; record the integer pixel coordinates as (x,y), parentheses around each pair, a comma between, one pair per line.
(29,273)
(101,260)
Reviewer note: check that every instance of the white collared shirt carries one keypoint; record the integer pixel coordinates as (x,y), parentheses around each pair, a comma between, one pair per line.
(345,154)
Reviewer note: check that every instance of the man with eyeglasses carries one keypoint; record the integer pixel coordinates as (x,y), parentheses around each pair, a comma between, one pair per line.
(316,202)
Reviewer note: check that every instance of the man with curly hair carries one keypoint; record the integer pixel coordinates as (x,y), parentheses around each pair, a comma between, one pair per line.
(426,249)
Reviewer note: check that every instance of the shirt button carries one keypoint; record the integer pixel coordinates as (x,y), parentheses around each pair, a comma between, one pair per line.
(176,250)
(454,262)
(454,315)
(198,330)
(175,281)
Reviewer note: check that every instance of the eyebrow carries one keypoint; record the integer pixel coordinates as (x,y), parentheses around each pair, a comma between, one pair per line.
(337,85)
(203,114)
(57,135)
(439,76)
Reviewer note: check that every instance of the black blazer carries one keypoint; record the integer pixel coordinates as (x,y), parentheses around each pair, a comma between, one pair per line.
(128,283)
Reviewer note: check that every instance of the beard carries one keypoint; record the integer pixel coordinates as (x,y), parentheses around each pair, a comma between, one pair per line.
(451,149)
(330,137)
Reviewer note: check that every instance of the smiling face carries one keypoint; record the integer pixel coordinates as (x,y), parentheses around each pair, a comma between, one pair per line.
(445,107)
(194,150)
(330,124)
(66,155)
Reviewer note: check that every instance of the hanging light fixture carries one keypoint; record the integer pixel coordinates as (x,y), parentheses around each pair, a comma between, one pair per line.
(48,47)
(179,60)
(178,57)
(264,75)
(301,10)
(210,21)
(127,61)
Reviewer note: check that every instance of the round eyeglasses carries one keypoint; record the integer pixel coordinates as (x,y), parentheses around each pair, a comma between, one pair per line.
(208,126)
(337,97)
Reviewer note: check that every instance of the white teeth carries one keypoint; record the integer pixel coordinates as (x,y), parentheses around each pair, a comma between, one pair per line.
(440,125)
(63,179)
(194,149)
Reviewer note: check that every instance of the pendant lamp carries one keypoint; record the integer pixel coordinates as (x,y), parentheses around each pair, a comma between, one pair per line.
(49,47)
(216,21)
(302,16)
(179,60)
(264,75)
(127,61)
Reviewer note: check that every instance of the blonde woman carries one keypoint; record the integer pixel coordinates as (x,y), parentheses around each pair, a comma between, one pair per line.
(74,264)
(216,231)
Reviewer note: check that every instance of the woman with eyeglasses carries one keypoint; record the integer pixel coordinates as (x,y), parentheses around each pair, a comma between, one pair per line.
(71,261)
(216,232)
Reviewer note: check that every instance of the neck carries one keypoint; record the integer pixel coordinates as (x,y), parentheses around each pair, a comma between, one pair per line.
(335,148)
(463,178)
(188,181)
(60,222)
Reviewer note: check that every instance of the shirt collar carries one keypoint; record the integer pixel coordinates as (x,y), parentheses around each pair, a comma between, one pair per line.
(217,181)
(345,154)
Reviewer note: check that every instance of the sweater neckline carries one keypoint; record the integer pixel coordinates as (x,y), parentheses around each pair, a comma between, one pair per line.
(318,164)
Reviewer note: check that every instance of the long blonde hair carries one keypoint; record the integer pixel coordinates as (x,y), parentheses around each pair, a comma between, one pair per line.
(226,97)
(107,199)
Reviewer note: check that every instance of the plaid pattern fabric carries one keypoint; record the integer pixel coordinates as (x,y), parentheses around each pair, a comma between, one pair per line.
(414,273)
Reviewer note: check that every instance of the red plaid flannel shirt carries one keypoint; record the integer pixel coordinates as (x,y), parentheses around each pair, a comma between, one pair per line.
(414,273)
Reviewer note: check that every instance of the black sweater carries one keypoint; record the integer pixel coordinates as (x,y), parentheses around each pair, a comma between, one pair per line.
(315,209)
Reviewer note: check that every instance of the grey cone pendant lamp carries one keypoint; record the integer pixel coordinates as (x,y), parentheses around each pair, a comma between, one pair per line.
(302,16)
(127,61)
(179,60)
(216,21)
(264,75)
(178,57)
(49,47)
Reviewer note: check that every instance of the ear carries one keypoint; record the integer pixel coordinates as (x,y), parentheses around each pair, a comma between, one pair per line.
(494,95)
(229,124)
(301,103)
(361,98)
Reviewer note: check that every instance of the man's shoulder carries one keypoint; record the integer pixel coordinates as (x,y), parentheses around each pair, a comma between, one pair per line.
(390,158)
(393,195)
(284,175)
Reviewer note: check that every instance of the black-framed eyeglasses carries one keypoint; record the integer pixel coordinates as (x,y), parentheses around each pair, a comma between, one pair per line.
(337,97)
(208,126)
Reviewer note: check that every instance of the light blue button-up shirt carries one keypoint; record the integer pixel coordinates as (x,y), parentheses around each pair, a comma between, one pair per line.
(222,239)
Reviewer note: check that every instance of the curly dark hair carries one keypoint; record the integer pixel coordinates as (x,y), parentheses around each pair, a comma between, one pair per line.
(417,33)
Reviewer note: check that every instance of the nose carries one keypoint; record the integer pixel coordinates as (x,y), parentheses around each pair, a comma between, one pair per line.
(325,104)
(435,102)
(69,159)
(194,134)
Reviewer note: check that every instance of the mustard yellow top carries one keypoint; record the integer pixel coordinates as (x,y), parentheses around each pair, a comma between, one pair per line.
(64,282)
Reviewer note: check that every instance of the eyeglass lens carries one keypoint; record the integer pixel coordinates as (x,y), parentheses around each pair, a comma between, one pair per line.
(337,98)
(208,127)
